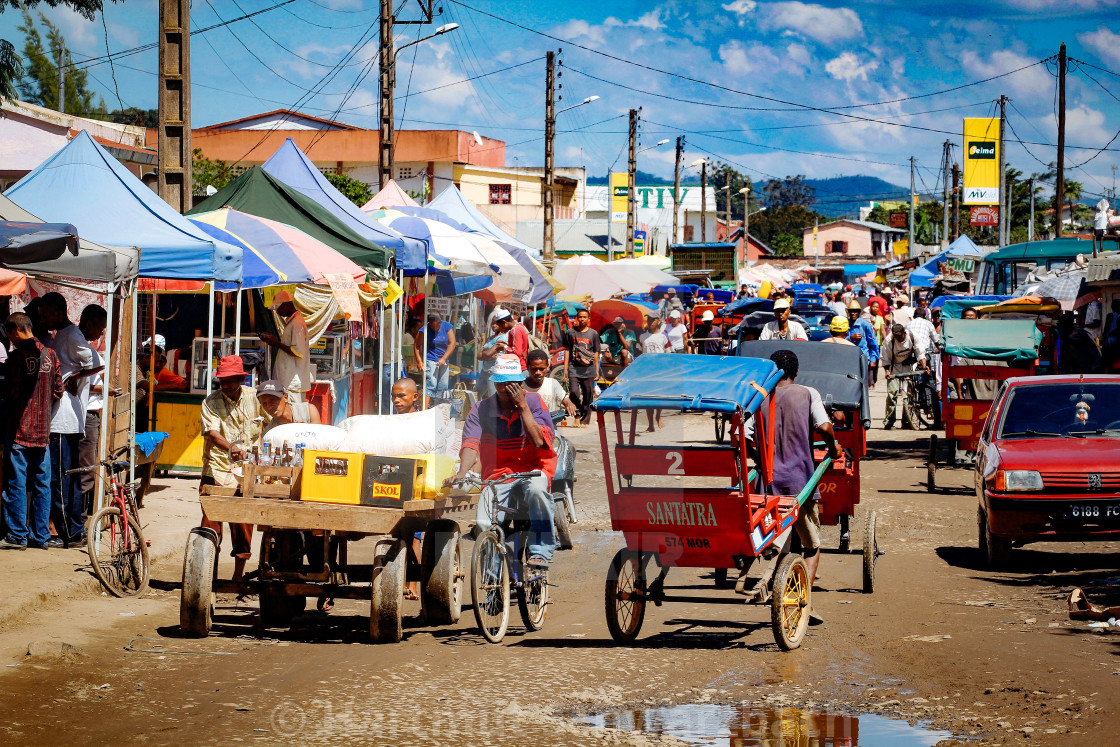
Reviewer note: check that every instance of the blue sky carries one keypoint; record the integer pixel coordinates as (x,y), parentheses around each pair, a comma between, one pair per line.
(810,55)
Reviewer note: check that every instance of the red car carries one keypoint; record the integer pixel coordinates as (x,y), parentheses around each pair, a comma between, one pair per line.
(1048,463)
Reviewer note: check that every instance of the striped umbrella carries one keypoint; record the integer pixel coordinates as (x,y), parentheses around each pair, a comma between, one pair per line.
(1069,290)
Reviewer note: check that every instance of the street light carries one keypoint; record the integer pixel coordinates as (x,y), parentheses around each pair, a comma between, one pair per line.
(444,29)
(587,100)
(651,147)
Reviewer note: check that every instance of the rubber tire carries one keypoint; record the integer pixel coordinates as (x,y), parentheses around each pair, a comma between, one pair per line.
(870,551)
(721,578)
(563,525)
(531,621)
(628,634)
(931,465)
(558,374)
(196,600)
(113,514)
(791,565)
(910,416)
(721,428)
(996,550)
(488,539)
(387,591)
(441,573)
(278,610)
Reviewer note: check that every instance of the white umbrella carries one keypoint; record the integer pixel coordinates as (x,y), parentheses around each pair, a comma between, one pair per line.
(643,272)
(586,275)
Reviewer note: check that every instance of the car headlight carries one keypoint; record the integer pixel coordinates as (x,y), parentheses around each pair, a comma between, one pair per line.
(1011,480)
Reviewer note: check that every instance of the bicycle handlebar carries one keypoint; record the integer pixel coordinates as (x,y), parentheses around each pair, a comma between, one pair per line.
(108,462)
(498,480)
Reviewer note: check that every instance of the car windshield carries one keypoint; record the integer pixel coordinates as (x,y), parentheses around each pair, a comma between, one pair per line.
(816,318)
(1073,409)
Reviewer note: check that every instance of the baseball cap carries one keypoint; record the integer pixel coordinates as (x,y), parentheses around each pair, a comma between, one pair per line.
(708,316)
(281,298)
(839,324)
(271,388)
(501,314)
(618,320)
(159,341)
(507,367)
(674,314)
(781,303)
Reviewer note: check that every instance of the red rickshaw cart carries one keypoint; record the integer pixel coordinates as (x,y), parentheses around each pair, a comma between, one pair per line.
(700,506)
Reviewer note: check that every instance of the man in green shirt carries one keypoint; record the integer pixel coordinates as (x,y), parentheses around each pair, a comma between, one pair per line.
(621,342)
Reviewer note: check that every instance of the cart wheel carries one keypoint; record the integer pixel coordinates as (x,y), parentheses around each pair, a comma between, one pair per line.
(870,552)
(387,596)
(563,527)
(532,593)
(931,464)
(196,602)
(721,428)
(558,374)
(441,573)
(996,550)
(625,596)
(791,602)
(286,556)
(490,586)
(721,578)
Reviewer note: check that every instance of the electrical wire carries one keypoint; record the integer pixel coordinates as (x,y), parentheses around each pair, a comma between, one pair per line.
(112,70)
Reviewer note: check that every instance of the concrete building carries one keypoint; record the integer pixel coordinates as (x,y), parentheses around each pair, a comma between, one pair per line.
(30,134)
(654,214)
(851,238)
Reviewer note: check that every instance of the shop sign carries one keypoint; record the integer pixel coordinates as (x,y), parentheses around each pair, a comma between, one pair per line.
(984,216)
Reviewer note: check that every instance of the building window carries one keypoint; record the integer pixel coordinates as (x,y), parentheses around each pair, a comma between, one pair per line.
(688,233)
(501,194)
(837,247)
(405,172)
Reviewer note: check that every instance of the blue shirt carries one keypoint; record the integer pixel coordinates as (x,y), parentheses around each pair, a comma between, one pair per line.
(437,343)
(869,345)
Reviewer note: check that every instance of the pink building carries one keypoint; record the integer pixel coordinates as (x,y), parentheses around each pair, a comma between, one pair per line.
(851,238)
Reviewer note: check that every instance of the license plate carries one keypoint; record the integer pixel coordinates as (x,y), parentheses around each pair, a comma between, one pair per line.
(1093,512)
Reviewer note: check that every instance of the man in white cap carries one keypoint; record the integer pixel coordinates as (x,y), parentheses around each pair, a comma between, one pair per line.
(708,336)
(293,358)
(782,328)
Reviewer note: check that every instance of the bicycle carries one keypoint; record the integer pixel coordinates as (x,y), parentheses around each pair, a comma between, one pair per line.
(114,540)
(914,396)
(494,569)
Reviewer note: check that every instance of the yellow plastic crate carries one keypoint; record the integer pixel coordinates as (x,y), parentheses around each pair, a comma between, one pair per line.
(332,477)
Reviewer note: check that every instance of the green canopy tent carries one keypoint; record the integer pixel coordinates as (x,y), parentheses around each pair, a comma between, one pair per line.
(259,193)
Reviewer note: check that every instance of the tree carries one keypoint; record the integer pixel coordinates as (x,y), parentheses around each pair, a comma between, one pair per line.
(134,115)
(357,192)
(39,82)
(792,190)
(788,245)
(11,66)
(717,178)
(210,173)
(792,221)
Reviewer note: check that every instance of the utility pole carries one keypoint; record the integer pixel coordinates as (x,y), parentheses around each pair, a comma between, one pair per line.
(1030,219)
(910,241)
(175,158)
(1060,191)
(61,76)
(1007,203)
(549,176)
(677,187)
(703,201)
(956,222)
(946,161)
(727,187)
(386,82)
(631,168)
(1004,225)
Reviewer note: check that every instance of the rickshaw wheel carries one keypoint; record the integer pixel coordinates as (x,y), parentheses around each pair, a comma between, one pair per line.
(196,603)
(870,552)
(931,464)
(441,572)
(532,593)
(791,602)
(624,596)
(490,587)
(721,428)
(387,595)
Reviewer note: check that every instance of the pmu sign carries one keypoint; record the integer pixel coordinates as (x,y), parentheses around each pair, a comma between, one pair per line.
(981,161)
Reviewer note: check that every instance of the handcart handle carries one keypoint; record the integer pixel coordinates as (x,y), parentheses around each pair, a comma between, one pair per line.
(812,484)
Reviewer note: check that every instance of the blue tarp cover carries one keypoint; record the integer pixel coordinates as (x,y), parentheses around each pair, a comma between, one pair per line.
(691,382)
(85,186)
(747,305)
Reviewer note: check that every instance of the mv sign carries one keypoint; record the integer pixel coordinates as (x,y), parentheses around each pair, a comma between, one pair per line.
(981,161)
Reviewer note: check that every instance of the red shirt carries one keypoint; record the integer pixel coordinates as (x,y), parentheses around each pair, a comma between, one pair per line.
(35,377)
(501,442)
(519,344)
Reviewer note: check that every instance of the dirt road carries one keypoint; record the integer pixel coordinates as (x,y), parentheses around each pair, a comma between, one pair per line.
(985,656)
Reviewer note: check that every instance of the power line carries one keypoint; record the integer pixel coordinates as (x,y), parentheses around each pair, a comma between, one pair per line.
(453,83)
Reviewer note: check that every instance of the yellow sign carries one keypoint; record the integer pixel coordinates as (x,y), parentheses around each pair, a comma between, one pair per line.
(620,194)
(901,247)
(981,161)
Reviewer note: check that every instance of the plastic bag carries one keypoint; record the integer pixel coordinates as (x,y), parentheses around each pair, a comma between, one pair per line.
(318,437)
(426,432)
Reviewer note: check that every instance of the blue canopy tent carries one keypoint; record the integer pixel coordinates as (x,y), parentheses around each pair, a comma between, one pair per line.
(451,203)
(962,247)
(24,241)
(83,185)
(290,165)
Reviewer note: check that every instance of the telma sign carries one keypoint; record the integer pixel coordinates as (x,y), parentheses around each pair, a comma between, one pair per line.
(981,150)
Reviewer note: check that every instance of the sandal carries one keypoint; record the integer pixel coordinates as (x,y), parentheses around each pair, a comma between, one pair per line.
(538,562)
(325,604)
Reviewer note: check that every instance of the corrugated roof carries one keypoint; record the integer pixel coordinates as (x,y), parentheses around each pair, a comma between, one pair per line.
(1103,269)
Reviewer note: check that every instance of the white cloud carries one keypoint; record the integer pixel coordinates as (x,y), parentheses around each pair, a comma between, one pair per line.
(1104,42)
(1031,82)
(577,28)
(1086,126)
(821,24)
(741,7)
(848,67)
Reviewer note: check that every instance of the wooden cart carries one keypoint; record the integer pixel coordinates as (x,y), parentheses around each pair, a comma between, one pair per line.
(304,553)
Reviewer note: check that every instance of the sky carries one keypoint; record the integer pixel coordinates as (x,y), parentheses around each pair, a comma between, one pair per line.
(773,88)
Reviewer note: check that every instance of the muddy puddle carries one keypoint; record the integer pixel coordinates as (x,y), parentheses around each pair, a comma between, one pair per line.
(744,725)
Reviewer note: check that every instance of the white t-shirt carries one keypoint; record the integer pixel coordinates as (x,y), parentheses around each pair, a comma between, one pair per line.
(74,354)
(675,336)
(794,331)
(654,342)
(287,366)
(96,401)
(552,394)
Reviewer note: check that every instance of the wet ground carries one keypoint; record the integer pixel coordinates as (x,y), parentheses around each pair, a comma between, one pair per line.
(943,645)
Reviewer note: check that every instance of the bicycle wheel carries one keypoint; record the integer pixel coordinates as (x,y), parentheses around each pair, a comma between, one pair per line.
(118,554)
(490,586)
(790,605)
(625,596)
(563,527)
(532,593)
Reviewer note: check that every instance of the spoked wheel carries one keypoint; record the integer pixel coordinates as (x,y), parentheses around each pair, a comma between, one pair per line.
(441,571)
(558,374)
(931,464)
(532,594)
(791,602)
(910,413)
(490,587)
(196,602)
(721,428)
(119,554)
(625,596)
(387,593)
(563,525)
(870,552)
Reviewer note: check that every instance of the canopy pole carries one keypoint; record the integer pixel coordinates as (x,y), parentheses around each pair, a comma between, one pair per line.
(402,321)
(152,363)
(424,353)
(132,379)
(107,407)
(381,359)
(237,323)
(210,344)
